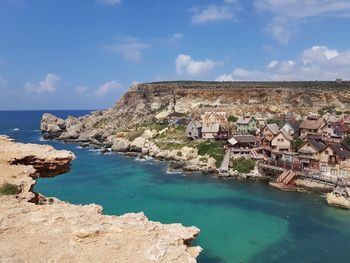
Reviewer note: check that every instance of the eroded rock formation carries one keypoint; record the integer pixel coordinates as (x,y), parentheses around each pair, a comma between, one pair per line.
(155,100)
(39,229)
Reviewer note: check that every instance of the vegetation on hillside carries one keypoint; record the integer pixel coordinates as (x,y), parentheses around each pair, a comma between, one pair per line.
(326,109)
(243,165)
(310,85)
(214,149)
(132,135)
(296,143)
(9,189)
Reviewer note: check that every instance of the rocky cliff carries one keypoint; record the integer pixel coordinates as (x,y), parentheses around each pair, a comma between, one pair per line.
(38,229)
(145,102)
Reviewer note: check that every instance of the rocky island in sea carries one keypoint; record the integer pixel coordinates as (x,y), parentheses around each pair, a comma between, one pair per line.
(293,134)
(34,228)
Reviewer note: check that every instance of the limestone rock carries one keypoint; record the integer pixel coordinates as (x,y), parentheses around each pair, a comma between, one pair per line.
(38,229)
(337,200)
(52,125)
(120,145)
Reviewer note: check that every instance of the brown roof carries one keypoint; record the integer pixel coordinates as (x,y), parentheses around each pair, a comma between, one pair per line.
(286,135)
(318,145)
(312,124)
(340,150)
(273,127)
(245,138)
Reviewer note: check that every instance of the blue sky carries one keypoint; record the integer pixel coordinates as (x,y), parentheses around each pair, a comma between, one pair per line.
(64,54)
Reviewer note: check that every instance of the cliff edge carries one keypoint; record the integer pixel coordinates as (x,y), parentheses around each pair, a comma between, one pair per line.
(38,229)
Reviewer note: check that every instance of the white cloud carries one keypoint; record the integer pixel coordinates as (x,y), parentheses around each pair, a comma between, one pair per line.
(81,90)
(315,63)
(109,2)
(288,14)
(49,84)
(129,47)
(186,65)
(107,88)
(212,13)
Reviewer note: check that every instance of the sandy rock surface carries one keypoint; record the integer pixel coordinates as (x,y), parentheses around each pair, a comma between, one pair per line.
(49,230)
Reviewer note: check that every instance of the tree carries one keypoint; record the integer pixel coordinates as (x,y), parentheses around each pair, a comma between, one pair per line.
(232,118)
(296,143)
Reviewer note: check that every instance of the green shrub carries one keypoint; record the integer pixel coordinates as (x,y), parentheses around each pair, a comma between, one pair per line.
(214,149)
(243,165)
(296,143)
(232,118)
(134,134)
(326,109)
(155,125)
(9,189)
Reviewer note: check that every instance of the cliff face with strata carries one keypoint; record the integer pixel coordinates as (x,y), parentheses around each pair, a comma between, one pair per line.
(147,100)
(156,100)
(38,229)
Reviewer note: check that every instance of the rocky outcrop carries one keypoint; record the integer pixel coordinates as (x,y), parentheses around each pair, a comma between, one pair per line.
(153,100)
(338,200)
(47,230)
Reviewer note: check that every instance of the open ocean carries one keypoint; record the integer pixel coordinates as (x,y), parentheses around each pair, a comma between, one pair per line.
(240,221)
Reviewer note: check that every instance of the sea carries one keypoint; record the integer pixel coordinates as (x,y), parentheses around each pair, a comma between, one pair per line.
(240,221)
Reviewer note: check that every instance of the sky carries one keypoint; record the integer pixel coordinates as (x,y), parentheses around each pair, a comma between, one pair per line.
(84,54)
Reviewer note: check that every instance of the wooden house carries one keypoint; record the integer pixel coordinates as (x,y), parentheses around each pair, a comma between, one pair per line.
(333,132)
(280,144)
(292,127)
(243,141)
(210,118)
(309,153)
(334,158)
(194,130)
(312,126)
(246,125)
(210,131)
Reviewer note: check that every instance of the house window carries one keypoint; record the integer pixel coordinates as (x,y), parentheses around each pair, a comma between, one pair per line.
(327,152)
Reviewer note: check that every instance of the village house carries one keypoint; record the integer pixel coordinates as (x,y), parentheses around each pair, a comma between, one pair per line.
(213,125)
(267,134)
(309,153)
(280,144)
(334,160)
(344,128)
(211,131)
(243,141)
(243,145)
(311,126)
(194,130)
(292,127)
(246,125)
(210,118)
(333,132)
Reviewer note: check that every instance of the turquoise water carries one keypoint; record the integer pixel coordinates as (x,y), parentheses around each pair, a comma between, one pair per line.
(240,221)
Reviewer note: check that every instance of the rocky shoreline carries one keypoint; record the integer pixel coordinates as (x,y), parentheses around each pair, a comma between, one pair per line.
(47,229)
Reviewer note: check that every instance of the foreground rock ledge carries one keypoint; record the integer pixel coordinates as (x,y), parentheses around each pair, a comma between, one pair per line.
(56,231)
